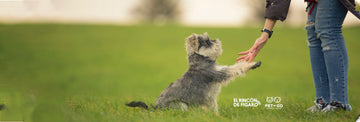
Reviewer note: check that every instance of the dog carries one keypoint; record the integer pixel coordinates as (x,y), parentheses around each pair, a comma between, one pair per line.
(201,83)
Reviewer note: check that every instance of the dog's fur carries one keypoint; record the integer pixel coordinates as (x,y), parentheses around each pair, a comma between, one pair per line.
(201,83)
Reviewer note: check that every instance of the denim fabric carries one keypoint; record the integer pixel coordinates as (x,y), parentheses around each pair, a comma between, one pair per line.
(328,54)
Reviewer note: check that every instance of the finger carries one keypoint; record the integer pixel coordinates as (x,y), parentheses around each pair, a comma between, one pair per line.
(243,53)
(251,58)
(242,57)
(247,58)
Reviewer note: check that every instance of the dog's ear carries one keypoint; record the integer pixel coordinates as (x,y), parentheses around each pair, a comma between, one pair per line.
(206,35)
(203,37)
(192,43)
(192,37)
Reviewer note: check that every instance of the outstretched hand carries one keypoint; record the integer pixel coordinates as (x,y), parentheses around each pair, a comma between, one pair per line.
(250,54)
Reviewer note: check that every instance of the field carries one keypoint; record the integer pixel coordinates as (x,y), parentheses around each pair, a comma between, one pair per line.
(55,72)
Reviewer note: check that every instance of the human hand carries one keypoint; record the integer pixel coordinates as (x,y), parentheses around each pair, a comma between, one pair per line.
(250,54)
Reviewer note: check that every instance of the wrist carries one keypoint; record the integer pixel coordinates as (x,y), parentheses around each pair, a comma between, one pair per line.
(264,36)
(269,32)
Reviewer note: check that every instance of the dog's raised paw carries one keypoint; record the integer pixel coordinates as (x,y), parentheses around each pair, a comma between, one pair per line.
(256,65)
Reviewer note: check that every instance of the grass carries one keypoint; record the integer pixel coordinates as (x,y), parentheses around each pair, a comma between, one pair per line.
(54,72)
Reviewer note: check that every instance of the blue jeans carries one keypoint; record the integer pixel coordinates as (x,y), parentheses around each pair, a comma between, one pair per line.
(328,54)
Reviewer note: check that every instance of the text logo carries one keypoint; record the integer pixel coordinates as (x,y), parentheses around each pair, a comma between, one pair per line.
(273,103)
(246,102)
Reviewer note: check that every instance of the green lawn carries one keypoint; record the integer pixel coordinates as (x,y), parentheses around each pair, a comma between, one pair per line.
(51,72)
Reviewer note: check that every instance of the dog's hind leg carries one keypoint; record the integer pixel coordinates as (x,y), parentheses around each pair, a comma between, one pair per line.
(178,105)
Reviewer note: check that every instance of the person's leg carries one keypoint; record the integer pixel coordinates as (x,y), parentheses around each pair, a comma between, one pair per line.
(317,60)
(328,23)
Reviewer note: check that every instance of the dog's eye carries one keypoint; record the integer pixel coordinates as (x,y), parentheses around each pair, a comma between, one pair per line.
(208,42)
(200,45)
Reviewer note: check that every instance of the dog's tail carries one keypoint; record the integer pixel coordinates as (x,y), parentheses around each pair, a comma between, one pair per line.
(137,104)
(2,106)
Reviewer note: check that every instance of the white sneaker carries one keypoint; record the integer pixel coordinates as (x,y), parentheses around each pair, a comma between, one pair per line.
(333,106)
(328,108)
(317,107)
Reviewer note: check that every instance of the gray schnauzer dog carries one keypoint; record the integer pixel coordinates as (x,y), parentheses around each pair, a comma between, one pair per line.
(201,83)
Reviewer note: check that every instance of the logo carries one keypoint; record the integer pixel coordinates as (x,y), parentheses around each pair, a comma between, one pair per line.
(273,103)
(277,99)
(246,102)
(269,99)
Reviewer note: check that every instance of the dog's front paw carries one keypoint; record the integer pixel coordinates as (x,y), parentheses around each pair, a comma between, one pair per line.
(245,66)
(257,64)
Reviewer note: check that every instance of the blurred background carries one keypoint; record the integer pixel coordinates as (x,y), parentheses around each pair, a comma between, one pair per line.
(82,60)
(186,12)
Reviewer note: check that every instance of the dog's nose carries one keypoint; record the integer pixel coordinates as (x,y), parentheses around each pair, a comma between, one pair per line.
(256,65)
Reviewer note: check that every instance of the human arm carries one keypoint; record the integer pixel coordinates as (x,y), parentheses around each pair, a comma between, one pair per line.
(250,54)
(275,10)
